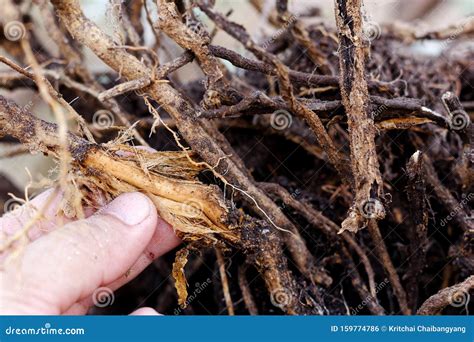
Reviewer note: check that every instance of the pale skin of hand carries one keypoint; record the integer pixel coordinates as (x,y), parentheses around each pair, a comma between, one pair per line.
(66,260)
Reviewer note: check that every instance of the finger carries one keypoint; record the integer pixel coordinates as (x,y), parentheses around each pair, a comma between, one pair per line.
(77,309)
(48,202)
(48,205)
(145,311)
(80,309)
(68,264)
(163,241)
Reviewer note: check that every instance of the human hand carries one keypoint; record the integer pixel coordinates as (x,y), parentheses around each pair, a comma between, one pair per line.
(66,260)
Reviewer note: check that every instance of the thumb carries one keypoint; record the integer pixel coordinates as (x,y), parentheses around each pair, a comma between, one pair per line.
(67,265)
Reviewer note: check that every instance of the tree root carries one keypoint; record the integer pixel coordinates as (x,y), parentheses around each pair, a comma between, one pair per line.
(197,212)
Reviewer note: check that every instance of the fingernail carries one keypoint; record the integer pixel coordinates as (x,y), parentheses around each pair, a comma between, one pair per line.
(131,208)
